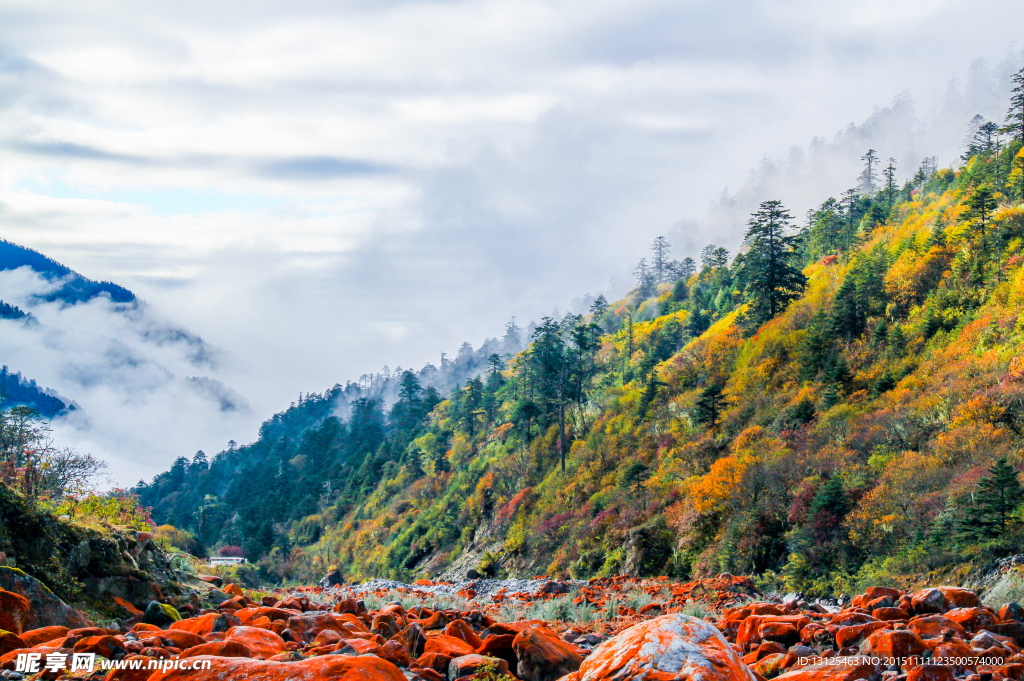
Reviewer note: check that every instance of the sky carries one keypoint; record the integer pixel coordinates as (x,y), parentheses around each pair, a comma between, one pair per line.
(319,189)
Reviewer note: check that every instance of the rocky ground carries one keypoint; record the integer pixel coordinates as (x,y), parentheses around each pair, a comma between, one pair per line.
(534,630)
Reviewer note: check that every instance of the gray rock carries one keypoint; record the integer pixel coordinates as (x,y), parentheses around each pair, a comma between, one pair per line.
(47,609)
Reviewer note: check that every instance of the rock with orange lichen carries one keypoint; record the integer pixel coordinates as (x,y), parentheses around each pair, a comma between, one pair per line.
(543,656)
(324,668)
(837,669)
(261,642)
(667,648)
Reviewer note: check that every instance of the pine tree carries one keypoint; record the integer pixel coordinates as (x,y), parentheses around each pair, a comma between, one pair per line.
(769,267)
(644,280)
(1015,116)
(659,265)
(867,176)
(708,408)
(980,205)
(599,305)
(999,493)
(686,268)
(890,181)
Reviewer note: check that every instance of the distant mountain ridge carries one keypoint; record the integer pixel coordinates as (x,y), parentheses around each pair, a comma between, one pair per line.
(75,289)
(15,390)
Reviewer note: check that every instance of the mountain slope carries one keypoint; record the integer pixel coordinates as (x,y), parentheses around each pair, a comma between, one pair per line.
(872,427)
(73,287)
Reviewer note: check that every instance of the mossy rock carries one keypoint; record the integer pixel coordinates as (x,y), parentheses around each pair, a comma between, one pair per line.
(46,608)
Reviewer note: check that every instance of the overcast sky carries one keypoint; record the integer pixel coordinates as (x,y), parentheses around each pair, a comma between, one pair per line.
(323,188)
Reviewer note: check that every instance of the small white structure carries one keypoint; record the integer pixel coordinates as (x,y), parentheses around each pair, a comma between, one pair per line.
(226,560)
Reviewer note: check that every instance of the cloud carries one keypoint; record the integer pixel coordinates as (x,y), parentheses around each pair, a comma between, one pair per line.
(132,377)
(321,189)
(320,168)
(73,151)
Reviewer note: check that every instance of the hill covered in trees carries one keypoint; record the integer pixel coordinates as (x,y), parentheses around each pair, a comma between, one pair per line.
(840,402)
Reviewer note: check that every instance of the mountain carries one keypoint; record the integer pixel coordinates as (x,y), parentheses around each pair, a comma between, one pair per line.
(112,374)
(16,391)
(70,287)
(839,403)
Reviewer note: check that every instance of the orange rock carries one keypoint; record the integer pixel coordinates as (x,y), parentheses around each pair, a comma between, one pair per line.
(769,666)
(460,630)
(853,635)
(448,645)
(14,612)
(9,642)
(220,649)
(142,627)
(873,592)
(959,598)
(467,665)
(928,601)
(205,624)
(35,637)
(261,642)
(323,668)
(127,674)
(234,590)
(783,632)
(435,661)
(308,624)
(543,656)
(971,618)
(890,614)
(893,644)
(104,646)
(132,610)
(666,648)
(395,653)
(183,640)
(931,626)
(748,636)
(500,646)
(855,670)
(358,646)
(327,637)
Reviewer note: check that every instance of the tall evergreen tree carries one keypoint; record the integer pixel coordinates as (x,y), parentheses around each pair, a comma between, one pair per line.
(687,267)
(708,408)
(980,205)
(769,268)
(867,176)
(549,358)
(890,181)
(1015,116)
(998,496)
(660,263)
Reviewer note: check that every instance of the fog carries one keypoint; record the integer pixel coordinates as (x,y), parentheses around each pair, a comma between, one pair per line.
(322,189)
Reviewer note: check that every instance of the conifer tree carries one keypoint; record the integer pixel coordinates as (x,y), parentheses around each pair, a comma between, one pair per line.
(708,408)
(686,268)
(867,176)
(890,181)
(660,264)
(1015,116)
(980,205)
(599,305)
(769,267)
(999,493)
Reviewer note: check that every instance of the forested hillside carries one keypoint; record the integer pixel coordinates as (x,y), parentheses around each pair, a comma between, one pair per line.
(841,401)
